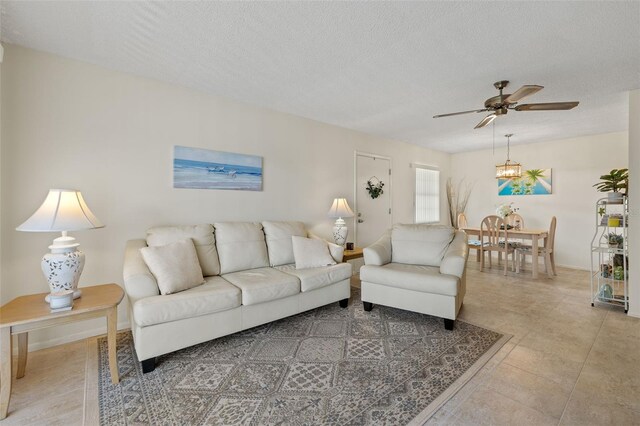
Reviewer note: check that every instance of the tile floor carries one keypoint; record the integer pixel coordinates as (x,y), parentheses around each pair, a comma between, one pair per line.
(567,363)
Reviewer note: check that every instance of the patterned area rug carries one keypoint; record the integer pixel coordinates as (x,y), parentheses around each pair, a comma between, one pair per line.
(325,366)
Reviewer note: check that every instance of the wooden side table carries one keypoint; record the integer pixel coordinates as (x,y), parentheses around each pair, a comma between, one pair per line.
(27,313)
(356,253)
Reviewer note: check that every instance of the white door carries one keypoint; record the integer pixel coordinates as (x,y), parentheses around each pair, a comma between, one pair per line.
(373,215)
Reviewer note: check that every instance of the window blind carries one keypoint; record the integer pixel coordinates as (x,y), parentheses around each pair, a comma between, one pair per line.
(427,195)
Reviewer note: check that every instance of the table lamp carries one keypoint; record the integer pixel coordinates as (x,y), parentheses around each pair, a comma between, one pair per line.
(63,210)
(340,209)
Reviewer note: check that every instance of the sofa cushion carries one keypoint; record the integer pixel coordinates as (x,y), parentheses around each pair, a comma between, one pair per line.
(263,284)
(241,246)
(203,239)
(215,295)
(311,253)
(426,279)
(313,278)
(420,244)
(278,236)
(175,266)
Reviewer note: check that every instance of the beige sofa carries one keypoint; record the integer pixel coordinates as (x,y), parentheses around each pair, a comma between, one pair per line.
(250,279)
(418,268)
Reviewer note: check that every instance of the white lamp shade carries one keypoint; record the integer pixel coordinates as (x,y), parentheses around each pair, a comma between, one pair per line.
(340,208)
(62,210)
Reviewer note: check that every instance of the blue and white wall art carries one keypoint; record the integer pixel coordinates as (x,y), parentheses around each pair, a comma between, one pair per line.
(205,169)
(532,182)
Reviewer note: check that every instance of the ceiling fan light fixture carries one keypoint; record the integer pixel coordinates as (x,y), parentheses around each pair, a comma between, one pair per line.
(510,169)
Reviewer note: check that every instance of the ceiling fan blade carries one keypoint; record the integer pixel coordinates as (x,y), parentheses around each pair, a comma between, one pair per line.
(551,106)
(523,92)
(459,113)
(488,119)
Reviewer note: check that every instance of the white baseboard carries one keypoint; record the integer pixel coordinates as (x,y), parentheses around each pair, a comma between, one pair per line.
(632,313)
(97,331)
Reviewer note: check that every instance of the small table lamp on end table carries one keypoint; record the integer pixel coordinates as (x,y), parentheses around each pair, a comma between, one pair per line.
(63,210)
(340,209)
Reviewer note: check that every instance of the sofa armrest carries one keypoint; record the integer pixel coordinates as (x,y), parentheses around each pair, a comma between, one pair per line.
(336,251)
(379,253)
(454,261)
(139,282)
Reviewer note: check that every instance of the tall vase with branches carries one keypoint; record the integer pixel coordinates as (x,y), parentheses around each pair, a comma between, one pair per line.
(457,198)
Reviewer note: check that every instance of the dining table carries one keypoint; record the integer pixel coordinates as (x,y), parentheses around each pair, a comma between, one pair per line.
(535,235)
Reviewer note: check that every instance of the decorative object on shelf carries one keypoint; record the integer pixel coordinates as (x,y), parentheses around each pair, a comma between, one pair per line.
(510,169)
(613,183)
(457,198)
(606,292)
(350,246)
(504,210)
(63,210)
(339,209)
(615,240)
(618,273)
(374,187)
(532,182)
(206,169)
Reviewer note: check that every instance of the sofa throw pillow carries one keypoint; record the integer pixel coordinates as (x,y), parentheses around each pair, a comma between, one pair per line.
(175,266)
(311,253)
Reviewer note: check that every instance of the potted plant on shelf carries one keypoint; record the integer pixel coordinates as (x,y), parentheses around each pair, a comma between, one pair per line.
(613,183)
(615,240)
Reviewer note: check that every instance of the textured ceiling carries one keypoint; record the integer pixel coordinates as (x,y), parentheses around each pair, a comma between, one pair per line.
(384,68)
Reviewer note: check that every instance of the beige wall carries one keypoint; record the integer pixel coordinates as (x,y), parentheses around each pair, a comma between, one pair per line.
(576,165)
(634,203)
(109,134)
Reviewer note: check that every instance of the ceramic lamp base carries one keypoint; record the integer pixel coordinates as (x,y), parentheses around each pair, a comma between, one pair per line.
(62,267)
(340,232)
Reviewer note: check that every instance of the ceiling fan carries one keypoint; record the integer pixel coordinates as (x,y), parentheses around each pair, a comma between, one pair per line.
(501,104)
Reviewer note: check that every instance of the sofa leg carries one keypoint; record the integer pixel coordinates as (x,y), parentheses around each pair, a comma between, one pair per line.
(367,306)
(448,323)
(344,303)
(148,365)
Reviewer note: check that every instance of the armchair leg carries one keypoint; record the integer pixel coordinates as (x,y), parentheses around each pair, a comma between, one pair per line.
(148,365)
(367,306)
(344,303)
(448,324)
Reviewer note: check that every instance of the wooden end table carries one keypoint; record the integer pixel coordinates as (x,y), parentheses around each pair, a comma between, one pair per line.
(27,313)
(356,253)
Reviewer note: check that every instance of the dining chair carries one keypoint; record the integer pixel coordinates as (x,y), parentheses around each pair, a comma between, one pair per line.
(547,251)
(494,230)
(472,244)
(515,221)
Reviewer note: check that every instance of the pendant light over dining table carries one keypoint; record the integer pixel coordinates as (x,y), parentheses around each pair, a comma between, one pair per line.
(509,169)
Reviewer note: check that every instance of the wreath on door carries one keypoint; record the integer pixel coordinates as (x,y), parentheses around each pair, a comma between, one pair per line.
(374,187)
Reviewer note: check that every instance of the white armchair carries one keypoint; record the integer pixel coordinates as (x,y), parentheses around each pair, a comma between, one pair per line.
(419,268)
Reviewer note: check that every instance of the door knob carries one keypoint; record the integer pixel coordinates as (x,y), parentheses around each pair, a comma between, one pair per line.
(360,220)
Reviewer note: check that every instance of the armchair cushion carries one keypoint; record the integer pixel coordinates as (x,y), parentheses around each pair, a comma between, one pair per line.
(425,279)
(420,244)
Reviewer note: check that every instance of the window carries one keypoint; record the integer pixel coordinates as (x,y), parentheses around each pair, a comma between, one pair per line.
(427,194)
